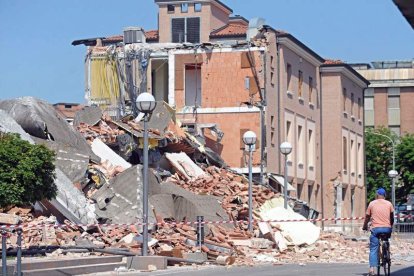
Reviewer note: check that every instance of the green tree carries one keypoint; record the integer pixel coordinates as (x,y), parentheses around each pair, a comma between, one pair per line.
(378,151)
(405,167)
(26,171)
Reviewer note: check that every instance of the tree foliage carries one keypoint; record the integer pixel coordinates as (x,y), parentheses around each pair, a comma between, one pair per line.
(405,166)
(378,150)
(26,171)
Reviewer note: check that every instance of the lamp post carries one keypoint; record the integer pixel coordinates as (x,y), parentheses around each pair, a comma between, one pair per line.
(393,173)
(249,138)
(146,104)
(285,149)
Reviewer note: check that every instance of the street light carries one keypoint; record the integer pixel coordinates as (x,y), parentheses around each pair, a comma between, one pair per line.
(145,104)
(249,138)
(285,149)
(393,173)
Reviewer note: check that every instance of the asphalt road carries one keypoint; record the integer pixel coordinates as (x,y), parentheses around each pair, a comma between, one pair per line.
(284,270)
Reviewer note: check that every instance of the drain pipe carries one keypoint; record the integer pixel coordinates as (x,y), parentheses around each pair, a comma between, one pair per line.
(321,143)
(262,120)
(278,103)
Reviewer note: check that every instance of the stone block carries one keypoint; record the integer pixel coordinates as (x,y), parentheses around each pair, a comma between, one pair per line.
(146,262)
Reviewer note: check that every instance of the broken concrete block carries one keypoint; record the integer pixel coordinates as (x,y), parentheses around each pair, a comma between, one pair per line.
(128,239)
(185,166)
(280,241)
(195,256)
(299,233)
(40,119)
(259,243)
(9,219)
(106,153)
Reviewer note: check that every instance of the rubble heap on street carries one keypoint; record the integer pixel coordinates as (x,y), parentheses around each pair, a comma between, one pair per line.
(98,163)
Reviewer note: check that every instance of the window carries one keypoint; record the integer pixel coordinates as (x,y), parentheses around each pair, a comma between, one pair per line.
(310,190)
(171,8)
(184,7)
(359,108)
(300,82)
(344,154)
(185,30)
(301,145)
(193,85)
(352,103)
(197,7)
(193,29)
(289,75)
(344,99)
(353,158)
(289,136)
(394,107)
(344,193)
(310,89)
(311,148)
(369,111)
(360,157)
(178,30)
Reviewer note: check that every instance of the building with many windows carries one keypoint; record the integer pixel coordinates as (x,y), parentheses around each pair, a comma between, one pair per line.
(390,96)
(224,72)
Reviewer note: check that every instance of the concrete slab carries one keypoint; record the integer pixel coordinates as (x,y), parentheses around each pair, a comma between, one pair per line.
(195,256)
(142,262)
(74,270)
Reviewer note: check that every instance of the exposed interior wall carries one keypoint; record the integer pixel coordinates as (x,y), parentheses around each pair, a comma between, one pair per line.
(223,92)
(159,79)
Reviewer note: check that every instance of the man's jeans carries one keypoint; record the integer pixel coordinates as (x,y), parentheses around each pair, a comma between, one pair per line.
(374,243)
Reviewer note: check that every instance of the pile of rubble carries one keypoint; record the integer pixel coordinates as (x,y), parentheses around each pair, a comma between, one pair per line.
(99,177)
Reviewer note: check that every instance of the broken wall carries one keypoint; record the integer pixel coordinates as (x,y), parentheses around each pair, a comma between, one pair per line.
(224,95)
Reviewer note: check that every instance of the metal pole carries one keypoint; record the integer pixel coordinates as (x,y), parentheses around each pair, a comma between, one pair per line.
(393,179)
(250,189)
(393,165)
(4,252)
(286,186)
(19,252)
(145,191)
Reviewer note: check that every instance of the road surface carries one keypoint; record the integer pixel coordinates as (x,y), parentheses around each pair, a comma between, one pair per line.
(284,270)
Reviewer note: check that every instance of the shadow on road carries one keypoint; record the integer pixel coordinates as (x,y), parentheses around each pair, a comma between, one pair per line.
(408,271)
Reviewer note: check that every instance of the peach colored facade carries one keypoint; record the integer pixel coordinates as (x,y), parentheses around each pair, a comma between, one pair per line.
(212,16)
(343,142)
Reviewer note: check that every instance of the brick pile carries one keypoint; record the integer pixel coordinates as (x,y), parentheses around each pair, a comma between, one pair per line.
(231,187)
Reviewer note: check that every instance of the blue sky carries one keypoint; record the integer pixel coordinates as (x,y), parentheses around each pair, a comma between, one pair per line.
(37,58)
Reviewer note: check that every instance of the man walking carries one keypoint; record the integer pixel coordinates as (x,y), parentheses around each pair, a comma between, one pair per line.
(381,214)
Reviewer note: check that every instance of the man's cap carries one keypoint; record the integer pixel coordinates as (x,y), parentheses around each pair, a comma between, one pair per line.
(381,192)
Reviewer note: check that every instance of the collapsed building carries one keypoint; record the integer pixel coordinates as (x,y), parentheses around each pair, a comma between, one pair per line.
(99,178)
(224,75)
